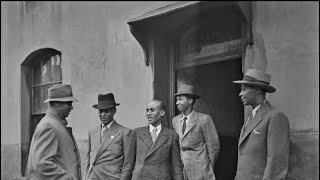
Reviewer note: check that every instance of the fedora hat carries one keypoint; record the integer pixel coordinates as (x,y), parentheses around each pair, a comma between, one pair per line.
(60,92)
(105,101)
(257,78)
(187,90)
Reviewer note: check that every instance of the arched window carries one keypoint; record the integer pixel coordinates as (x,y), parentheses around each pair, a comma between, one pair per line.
(40,70)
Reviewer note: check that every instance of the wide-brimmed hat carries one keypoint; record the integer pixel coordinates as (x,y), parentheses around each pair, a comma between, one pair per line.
(60,92)
(105,101)
(186,89)
(257,78)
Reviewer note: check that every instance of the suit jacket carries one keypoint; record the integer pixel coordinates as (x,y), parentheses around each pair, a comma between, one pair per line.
(159,160)
(263,151)
(109,160)
(199,145)
(53,152)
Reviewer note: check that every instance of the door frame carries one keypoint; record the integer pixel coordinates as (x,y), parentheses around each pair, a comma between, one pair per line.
(173,58)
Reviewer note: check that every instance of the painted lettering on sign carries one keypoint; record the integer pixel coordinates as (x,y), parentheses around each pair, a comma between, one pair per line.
(209,44)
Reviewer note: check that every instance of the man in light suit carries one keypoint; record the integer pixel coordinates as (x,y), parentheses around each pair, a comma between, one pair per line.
(263,151)
(156,148)
(198,137)
(108,145)
(53,151)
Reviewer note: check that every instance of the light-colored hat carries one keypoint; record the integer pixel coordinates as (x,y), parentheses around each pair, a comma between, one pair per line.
(187,90)
(60,92)
(105,101)
(257,78)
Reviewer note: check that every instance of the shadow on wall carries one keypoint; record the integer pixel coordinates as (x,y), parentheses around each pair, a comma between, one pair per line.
(304,157)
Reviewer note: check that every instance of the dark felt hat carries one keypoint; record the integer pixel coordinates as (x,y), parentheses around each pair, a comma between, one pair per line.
(105,101)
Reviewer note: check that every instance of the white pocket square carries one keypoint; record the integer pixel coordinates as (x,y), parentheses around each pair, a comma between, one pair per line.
(256,132)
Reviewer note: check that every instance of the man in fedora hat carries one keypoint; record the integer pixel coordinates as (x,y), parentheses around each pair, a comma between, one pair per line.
(108,145)
(53,151)
(263,150)
(156,148)
(198,136)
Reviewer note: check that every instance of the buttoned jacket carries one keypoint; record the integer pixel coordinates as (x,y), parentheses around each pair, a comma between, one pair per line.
(263,150)
(109,159)
(199,145)
(159,160)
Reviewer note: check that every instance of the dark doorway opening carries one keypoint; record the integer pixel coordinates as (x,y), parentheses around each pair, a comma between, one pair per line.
(219,99)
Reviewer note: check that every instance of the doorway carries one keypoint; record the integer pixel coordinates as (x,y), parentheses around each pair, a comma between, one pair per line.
(219,98)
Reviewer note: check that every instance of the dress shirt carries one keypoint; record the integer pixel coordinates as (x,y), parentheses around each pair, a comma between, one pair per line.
(255,110)
(152,127)
(108,125)
(188,117)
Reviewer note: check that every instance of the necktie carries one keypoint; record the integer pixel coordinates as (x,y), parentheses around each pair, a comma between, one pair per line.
(103,131)
(154,134)
(184,124)
(247,123)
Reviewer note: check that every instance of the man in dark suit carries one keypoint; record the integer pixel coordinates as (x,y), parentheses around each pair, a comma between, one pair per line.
(53,151)
(108,145)
(263,151)
(156,148)
(198,137)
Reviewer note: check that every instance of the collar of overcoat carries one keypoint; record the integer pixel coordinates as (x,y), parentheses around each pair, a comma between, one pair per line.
(111,135)
(255,121)
(57,121)
(145,136)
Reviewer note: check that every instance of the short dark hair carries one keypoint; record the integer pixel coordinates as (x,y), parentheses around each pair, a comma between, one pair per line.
(161,104)
(191,97)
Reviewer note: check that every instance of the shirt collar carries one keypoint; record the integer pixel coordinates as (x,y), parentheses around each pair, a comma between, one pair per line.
(108,125)
(255,110)
(188,116)
(151,127)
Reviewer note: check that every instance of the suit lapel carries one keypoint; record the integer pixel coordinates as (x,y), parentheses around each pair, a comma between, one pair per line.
(162,137)
(256,120)
(179,125)
(146,137)
(191,123)
(111,134)
(96,137)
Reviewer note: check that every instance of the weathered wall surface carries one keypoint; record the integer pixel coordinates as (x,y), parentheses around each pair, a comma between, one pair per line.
(99,55)
(290,31)
(287,34)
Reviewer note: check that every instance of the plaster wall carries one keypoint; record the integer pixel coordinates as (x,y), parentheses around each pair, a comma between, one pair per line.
(287,34)
(99,55)
(286,45)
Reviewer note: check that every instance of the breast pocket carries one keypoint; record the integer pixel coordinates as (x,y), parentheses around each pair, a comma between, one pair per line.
(117,146)
(195,137)
(258,136)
